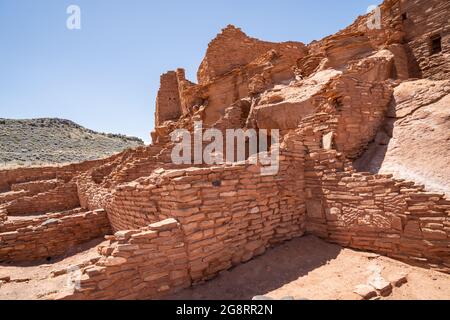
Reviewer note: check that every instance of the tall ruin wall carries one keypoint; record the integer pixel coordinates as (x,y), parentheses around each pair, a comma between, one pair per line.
(168,102)
(232,49)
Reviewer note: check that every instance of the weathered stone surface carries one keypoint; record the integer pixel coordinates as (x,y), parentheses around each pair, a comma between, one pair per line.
(383,286)
(233,48)
(365,291)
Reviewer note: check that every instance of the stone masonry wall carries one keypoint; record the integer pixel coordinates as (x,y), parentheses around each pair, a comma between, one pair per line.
(66,173)
(3,215)
(360,115)
(373,212)
(64,197)
(20,222)
(12,195)
(53,237)
(413,24)
(137,264)
(360,99)
(381,214)
(36,187)
(28,189)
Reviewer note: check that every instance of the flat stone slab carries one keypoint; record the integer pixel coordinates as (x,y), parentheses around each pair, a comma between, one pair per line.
(365,291)
(383,286)
(398,279)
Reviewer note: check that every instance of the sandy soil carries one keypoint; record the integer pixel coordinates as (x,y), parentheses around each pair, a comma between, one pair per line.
(309,268)
(305,268)
(41,279)
(414,142)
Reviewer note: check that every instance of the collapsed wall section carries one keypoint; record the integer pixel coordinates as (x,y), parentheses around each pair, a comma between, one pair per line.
(137,264)
(232,49)
(361,108)
(8,178)
(63,197)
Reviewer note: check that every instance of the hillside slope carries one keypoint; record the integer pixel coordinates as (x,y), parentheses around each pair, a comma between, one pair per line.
(54,141)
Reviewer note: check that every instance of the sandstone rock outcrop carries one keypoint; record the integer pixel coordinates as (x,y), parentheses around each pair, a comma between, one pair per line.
(233,49)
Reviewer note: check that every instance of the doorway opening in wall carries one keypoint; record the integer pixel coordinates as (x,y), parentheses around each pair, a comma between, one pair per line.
(404,16)
(436,44)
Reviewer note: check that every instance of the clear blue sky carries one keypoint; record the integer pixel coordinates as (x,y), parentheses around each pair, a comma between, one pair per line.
(106,75)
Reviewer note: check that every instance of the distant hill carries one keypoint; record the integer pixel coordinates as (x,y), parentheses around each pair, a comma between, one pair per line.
(54,141)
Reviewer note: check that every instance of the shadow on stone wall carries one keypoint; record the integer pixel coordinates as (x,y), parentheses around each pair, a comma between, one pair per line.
(276,268)
(373,158)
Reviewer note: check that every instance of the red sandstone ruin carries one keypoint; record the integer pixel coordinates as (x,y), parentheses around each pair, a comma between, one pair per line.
(357,164)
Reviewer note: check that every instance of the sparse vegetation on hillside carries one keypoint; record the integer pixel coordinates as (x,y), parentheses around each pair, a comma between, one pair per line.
(54,141)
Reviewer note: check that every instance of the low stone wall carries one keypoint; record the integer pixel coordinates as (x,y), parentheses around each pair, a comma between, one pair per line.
(12,195)
(22,190)
(36,187)
(371,212)
(381,214)
(21,175)
(96,186)
(137,264)
(64,172)
(64,197)
(53,237)
(219,217)
(18,222)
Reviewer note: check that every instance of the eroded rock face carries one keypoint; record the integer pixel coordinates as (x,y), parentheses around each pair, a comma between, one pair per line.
(414,143)
(284,106)
(237,67)
(232,49)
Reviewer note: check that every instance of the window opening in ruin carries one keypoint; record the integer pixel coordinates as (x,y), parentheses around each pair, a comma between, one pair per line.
(436,44)
(404,16)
